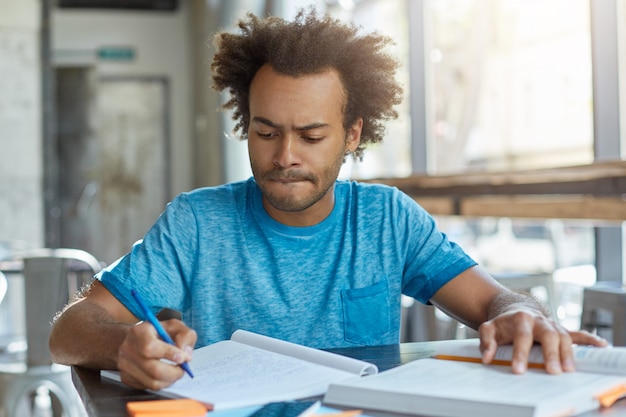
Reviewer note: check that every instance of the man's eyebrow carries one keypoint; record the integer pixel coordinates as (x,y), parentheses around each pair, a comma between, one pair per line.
(269,123)
(311,126)
(265,121)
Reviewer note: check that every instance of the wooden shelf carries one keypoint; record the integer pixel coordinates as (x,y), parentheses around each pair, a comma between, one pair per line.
(594,192)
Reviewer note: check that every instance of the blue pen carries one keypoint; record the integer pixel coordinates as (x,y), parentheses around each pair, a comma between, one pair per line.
(160,330)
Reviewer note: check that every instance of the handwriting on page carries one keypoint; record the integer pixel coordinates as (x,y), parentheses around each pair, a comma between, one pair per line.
(233,374)
(221,372)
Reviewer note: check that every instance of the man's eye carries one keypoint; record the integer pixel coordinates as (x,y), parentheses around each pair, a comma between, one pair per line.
(312,139)
(266,135)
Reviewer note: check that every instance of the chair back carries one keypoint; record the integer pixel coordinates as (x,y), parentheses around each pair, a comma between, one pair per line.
(51,276)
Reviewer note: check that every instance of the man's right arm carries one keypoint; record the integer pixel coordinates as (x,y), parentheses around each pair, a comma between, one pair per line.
(99,332)
(90,331)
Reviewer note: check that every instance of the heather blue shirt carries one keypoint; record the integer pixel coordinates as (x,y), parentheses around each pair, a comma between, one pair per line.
(216,256)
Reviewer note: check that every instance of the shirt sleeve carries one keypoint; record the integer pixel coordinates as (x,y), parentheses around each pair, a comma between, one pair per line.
(160,265)
(432,259)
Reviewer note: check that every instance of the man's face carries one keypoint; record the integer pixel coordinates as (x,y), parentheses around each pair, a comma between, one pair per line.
(297,143)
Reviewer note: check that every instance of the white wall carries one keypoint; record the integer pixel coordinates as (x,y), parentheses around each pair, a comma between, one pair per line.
(21,201)
(161,42)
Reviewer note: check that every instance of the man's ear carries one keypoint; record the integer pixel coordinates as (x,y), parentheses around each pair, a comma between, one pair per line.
(353,135)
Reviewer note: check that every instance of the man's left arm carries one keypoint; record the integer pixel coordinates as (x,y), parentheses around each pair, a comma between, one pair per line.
(502,317)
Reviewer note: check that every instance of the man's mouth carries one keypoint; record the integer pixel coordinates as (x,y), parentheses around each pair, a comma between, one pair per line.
(288,179)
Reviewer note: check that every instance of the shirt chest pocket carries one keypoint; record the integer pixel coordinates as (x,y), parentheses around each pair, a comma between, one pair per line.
(366,314)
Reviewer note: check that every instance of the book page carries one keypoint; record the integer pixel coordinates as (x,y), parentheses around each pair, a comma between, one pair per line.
(606,360)
(229,374)
(469,348)
(428,386)
(320,357)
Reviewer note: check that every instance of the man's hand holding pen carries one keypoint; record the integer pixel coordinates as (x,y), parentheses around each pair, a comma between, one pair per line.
(145,360)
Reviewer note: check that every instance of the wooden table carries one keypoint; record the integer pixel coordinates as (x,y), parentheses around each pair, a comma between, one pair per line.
(107,398)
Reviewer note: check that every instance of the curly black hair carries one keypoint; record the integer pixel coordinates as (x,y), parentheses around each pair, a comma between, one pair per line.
(310,44)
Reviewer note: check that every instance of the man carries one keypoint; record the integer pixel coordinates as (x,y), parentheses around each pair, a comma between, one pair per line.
(293,253)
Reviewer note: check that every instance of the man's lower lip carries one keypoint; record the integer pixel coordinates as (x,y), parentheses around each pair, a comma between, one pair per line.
(287,181)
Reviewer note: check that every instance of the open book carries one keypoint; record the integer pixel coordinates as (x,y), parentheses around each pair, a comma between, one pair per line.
(587,358)
(251,369)
(461,387)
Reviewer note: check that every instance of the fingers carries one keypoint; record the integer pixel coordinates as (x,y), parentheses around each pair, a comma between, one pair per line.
(556,346)
(148,374)
(567,355)
(522,342)
(141,355)
(523,328)
(184,337)
(488,343)
(586,338)
(510,328)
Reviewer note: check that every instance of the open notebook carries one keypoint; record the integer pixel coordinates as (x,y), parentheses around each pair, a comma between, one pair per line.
(251,369)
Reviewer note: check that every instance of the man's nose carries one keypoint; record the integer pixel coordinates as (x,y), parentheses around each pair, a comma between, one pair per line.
(287,152)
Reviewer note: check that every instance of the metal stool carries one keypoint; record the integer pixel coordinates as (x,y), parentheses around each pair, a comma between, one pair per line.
(418,322)
(609,296)
(31,383)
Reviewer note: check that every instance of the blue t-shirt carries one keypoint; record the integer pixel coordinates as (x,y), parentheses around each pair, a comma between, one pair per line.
(216,256)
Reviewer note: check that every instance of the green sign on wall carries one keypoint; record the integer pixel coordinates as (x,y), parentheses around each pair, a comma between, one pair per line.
(120,53)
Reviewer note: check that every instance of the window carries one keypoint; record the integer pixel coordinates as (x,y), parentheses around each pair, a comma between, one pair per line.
(565,249)
(510,84)
(621,43)
(392,158)
(621,47)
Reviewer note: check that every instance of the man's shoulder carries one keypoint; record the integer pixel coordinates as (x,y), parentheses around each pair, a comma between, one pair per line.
(366,187)
(216,202)
(378,199)
(228,191)
(359,191)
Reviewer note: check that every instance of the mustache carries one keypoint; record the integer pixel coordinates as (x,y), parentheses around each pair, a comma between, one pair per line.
(278,175)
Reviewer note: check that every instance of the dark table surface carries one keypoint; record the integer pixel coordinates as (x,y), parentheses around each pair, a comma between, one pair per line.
(103,397)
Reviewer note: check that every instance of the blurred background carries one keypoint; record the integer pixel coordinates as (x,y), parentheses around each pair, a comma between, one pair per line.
(106,113)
